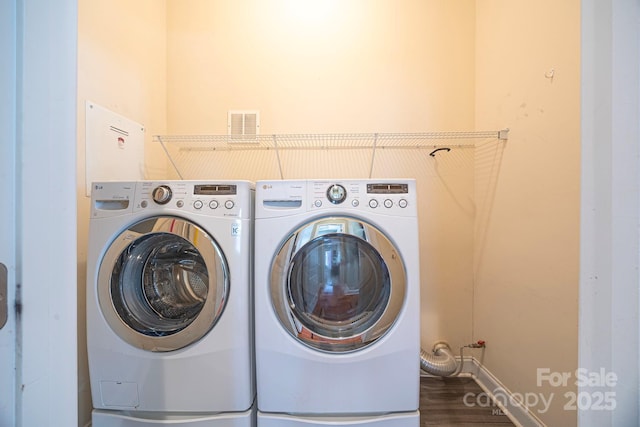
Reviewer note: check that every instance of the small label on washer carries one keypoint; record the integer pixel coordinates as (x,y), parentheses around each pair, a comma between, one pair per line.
(235,229)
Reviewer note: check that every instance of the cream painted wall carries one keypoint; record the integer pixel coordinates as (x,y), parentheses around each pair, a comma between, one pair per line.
(333,66)
(527,234)
(121,66)
(321,66)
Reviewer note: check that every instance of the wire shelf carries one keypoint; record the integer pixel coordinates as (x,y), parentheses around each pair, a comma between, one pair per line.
(178,146)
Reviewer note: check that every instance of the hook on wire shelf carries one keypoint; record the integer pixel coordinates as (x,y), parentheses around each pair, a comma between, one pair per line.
(433,153)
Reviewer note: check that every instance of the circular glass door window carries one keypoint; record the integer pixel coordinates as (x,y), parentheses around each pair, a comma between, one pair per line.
(337,284)
(163,284)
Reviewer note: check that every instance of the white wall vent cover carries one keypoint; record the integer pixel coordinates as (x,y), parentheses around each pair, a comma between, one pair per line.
(243,125)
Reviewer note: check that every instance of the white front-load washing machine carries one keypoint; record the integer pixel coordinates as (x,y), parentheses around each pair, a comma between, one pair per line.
(337,296)
(169,304)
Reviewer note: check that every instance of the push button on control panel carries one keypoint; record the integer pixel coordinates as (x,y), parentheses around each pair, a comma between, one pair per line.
(229,204)
(388,203)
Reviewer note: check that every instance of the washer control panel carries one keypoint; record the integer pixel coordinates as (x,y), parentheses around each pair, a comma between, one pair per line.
(224,199)
(206,198)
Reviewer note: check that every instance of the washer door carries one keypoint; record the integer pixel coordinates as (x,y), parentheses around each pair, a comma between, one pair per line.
(337,284)
(163,284)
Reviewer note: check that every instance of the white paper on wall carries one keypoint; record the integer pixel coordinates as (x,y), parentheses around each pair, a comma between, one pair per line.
(114,147)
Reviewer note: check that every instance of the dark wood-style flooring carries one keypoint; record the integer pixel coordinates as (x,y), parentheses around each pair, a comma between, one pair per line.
(443,404)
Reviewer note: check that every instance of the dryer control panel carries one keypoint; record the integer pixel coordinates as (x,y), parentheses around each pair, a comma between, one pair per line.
(389,197)
(385,197)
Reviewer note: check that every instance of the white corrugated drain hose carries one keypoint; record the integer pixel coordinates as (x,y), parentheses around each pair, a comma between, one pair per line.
(441,361)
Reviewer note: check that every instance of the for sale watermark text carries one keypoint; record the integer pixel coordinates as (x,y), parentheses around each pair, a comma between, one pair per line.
(592,398)
(595,392)
(581,377)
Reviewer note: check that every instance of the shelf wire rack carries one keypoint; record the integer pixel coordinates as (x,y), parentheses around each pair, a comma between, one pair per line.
(180,145)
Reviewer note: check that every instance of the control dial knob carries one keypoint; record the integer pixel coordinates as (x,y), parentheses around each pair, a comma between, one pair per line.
(336,194)
(162,194)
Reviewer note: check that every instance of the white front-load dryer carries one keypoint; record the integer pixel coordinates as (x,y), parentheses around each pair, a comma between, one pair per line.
(337,296)
(169,308)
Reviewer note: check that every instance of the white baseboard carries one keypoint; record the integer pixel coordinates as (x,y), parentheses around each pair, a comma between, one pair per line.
(519,415)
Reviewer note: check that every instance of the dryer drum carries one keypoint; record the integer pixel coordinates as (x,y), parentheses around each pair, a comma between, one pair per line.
(337,284)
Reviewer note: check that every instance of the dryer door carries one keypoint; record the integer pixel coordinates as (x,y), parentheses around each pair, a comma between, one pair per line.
(337,284)
(163,283)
